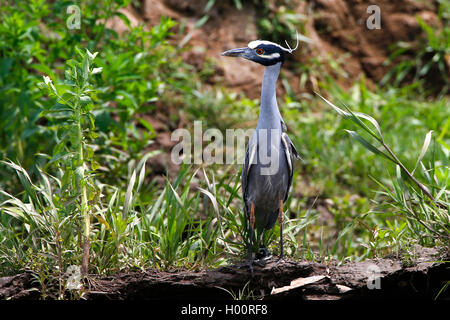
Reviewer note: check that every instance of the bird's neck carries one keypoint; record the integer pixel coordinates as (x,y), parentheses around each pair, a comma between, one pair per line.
(269,116)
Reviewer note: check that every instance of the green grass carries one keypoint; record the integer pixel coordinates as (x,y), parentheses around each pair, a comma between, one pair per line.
(429,66)
(424,205)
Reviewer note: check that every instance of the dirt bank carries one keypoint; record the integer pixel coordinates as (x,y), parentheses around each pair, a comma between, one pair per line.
(341,31)
(420,276)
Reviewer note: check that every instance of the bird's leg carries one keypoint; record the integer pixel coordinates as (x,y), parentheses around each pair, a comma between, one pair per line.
(251,227)
(280,220)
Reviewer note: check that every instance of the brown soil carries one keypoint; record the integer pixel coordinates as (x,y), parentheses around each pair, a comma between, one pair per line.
(420,278)
(337,27)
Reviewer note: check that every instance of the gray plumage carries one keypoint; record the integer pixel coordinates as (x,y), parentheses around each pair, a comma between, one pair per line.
(266,191)
(269,159)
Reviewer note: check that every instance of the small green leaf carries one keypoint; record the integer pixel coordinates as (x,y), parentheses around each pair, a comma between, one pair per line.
(425,146)
(85,68)
(94,165)
(368,145)
(212,198)
(129,195)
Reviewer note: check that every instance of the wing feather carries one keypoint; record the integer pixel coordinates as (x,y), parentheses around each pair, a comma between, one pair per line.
(290,152)
(248,161)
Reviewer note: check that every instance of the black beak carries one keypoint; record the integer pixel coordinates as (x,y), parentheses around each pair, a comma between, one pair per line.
(239,52)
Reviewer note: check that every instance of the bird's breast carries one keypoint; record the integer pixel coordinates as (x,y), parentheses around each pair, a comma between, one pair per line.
(268,177)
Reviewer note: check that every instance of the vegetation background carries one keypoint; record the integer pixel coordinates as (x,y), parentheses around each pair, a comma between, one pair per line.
(86,115)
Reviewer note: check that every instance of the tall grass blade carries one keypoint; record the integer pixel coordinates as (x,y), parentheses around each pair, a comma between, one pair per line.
(425,146)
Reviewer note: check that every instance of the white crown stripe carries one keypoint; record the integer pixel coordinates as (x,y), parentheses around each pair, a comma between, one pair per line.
(254,44)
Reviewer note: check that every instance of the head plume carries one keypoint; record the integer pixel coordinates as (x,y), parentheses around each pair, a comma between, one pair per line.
(289,49)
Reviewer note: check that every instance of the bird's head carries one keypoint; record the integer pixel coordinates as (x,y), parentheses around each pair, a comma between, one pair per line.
(263,52)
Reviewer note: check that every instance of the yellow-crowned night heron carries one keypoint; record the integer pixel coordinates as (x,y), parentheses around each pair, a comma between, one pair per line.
(268,165)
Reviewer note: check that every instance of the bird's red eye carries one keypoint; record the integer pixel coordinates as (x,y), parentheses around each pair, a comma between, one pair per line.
(259,51)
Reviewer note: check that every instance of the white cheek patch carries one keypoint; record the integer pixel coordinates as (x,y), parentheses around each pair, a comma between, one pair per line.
(254,44)
(274,55)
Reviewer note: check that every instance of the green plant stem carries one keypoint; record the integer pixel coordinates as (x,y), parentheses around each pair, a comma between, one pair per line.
(84,209)
(421,186)
(60,263)
(84,200)
(426,226)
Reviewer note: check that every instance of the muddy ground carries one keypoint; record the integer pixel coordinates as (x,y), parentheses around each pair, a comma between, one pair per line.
(421,276)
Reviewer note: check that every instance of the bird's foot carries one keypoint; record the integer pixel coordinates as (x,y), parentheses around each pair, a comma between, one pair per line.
(260,263)
(280,259)
(247,264)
